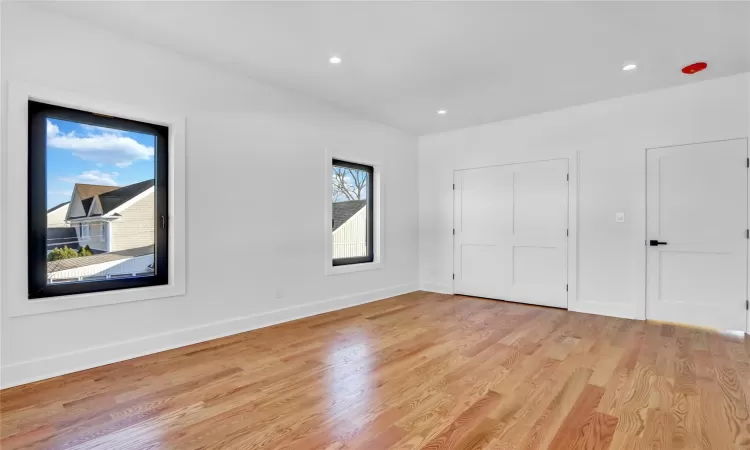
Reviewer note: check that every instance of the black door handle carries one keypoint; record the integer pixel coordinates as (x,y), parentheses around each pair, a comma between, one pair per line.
(654,243)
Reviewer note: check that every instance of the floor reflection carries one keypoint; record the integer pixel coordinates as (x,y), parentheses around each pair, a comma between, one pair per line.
(349,380)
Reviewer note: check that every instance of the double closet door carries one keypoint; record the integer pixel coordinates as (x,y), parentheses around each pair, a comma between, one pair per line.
(511,232)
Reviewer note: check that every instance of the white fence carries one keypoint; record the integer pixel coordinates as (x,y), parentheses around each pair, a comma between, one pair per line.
(349,250)
(350,239)
(118,268)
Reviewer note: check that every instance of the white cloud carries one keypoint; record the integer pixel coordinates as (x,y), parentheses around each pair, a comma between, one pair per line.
(93,177)
(52,129)
(104,146)
(93,129)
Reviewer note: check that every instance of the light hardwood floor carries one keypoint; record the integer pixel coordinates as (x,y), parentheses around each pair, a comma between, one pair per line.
(416,371)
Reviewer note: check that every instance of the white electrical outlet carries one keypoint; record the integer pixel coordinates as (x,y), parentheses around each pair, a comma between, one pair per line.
(620,217)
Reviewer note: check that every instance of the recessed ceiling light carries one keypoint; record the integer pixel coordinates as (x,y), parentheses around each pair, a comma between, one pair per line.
(628,67)
(334,60)
(442,112)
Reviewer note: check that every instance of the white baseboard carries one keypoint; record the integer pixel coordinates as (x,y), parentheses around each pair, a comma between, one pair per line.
(39,369)
(440,288)
(622,310)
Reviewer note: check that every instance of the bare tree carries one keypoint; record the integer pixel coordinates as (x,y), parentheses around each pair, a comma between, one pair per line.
(349,184)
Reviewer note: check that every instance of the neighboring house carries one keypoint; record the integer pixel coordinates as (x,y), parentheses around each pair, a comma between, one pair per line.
(349,229)
(59,233)
(110,218)
(116,223)
(59,237)
(57,214)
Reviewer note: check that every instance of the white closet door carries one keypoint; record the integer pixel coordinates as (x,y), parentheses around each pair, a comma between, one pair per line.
(697,220)
(511,232)
(483,210)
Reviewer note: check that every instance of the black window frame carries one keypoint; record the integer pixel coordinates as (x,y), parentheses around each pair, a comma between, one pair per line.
(370,214)
(37,201)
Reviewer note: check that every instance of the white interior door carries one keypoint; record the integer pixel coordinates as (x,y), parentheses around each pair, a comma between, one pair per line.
(696,234)
(510,238)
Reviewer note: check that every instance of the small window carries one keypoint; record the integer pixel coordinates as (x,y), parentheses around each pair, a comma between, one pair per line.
(89,170)
(86,231)
(352,213)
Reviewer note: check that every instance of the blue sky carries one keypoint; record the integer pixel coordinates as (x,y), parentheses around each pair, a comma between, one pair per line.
(79,153)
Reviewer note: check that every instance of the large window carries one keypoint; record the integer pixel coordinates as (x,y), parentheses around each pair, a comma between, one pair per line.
(352,213)
(97,217)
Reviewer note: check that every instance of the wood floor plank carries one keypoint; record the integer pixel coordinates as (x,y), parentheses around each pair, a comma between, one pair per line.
(596,432)
(636,401)
(416,371)
(716,432)
(573,430)
(686,433)
(542,433)
(734,408)
(464,423)
(659,430)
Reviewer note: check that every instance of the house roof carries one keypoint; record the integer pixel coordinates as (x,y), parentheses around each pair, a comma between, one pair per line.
(82,261)
(57,207)
(110,197)
(59,237)
(87,191)
(116,198)
(343,211)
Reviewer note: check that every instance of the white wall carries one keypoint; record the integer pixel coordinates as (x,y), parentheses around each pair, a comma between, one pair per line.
(2,192)
(606,142)
(245,142)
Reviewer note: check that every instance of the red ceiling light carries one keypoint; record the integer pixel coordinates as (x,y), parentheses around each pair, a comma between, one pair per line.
(694,68)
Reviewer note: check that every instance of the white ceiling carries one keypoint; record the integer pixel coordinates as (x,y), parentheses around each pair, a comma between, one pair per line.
(481,61)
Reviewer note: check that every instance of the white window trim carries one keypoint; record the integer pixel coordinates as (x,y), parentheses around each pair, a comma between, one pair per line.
(377,219)
(15,278)
(102,229)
